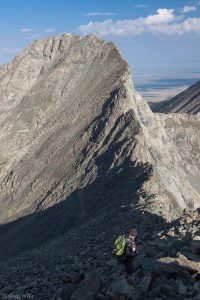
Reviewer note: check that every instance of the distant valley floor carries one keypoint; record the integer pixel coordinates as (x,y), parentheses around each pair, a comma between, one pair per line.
(159,87)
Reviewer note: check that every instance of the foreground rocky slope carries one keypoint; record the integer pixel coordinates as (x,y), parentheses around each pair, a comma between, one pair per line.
(185,102)
(167,266)
(82,159)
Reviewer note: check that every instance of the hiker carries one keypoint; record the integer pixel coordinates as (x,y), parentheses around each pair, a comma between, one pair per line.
(126,250)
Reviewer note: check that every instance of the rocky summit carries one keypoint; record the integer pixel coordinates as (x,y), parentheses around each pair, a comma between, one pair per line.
(83,158)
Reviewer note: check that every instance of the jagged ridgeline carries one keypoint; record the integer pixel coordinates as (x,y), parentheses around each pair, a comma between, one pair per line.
(186,102)
(82,156)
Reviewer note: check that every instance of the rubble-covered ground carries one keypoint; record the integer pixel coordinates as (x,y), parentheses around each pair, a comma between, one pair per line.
(167,267)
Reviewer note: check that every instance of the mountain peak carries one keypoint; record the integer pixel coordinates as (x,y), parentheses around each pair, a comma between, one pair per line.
(78,143)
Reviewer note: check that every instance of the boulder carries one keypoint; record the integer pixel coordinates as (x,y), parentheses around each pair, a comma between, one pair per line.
(175,264)
(89,288)
(195,244)
(121,289)
(146,281)
(182,288)
(62,294)
(151,251)
(196,286)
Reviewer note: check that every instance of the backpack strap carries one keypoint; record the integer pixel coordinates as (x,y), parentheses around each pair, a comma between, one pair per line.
(131,248)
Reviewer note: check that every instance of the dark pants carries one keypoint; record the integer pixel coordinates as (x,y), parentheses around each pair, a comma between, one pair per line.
(129,265)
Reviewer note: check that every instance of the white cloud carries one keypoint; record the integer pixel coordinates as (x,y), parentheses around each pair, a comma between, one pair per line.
(92,14)
(187,9)
(163,22)
(50,30)
(189,25)
(26,30)
(163,15)
(34,36)
(9,50)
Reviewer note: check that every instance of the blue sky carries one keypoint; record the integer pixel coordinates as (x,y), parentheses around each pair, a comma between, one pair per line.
(154,36)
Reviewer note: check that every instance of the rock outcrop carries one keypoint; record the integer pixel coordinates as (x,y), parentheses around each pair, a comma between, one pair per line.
(186,102)
(83,158)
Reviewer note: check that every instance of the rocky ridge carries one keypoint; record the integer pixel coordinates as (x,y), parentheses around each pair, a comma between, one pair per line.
(186,102)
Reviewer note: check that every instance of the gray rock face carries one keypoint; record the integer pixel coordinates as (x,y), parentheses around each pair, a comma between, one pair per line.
(78,143)
(185,102)
(184,130)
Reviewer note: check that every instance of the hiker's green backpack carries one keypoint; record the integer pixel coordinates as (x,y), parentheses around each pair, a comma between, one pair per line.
(120,244)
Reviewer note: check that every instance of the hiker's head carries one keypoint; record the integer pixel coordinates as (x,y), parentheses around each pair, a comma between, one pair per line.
(133,233)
